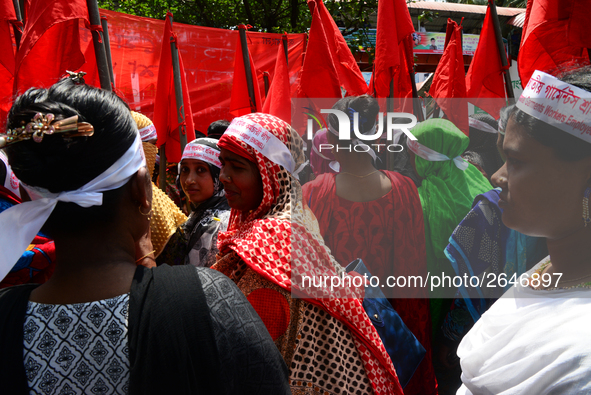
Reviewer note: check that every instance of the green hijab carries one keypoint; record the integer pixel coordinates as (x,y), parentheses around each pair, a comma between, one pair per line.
(446,192)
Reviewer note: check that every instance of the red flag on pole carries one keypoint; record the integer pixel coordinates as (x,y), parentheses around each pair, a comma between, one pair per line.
(393,26)
(51,38)
(319,77)
(165,107)
(278,100)
(240,102)
(7,16)
(347,68)
(555,32)
(449,81)
(484,82)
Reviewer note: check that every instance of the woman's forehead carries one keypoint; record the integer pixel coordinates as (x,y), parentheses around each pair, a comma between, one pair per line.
(518,141)
(192,162)
(228,155)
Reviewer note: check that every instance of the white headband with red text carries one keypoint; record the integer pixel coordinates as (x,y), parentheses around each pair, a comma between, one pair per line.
(558,104)
(202,152)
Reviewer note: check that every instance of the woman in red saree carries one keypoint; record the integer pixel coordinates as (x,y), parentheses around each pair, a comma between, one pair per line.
(376,216)
(327,340)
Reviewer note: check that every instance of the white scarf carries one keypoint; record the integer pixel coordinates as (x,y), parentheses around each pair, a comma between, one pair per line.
(20,224)
(530,342)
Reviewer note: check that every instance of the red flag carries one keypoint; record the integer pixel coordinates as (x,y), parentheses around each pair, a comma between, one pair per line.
(394,25)
(278,100)
(484,82)
(165,106)
(449,81)
(319,77)
(51,38)
(555,32)
(347,68)
(7,15)
(241,102)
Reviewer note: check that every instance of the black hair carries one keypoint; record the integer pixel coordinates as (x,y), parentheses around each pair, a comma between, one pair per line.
(217,129)
(367,107)
(566,146)
(63,164)
(58,163)
(3,173)
(483,145)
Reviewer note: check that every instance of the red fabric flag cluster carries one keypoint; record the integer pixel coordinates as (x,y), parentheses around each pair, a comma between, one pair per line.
(329,63)
(319,77)
(241,103)
(556,32)
(51,38)
(348,71)
(392,59)
(278,100)
(485,83)
(165,106)
(7,16)
(449,81)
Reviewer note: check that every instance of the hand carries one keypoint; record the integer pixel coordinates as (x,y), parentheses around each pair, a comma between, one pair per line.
(144,250)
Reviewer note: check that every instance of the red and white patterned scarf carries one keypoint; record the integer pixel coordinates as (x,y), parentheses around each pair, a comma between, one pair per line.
(280,240)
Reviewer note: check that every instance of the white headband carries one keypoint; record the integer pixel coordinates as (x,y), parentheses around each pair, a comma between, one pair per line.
(558,104)
(11,182)
(263,141)
(434,156)
(370,150)
(20,224)
(483,126)
(202,152)
(148,133)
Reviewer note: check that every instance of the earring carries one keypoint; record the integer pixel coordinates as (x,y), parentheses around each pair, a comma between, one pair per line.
(229,178)
(586,218)
(149,214)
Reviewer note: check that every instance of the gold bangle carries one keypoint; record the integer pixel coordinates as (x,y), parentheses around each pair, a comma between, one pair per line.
(145,256)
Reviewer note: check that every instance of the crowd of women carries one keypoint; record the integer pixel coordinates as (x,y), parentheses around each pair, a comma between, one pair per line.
(109,287)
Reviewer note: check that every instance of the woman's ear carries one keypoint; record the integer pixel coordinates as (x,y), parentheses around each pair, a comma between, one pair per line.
(141,189)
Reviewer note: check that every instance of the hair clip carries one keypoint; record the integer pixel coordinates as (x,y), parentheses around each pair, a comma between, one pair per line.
(42,125)
(77,77)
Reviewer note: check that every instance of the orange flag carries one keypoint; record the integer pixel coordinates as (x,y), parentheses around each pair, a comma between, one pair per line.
(485,84)
(555,32)
(165,107)
(241,103)
(449,81)
(319,77)
(393,26)
(278,100)
(350,76)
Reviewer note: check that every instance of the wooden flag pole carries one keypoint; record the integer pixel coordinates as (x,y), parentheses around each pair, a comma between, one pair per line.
(178,90)
(19,18)
(266,82)
(108,47)
(501,47)
(162,168)
(99,48)
(284,43)
(246,59)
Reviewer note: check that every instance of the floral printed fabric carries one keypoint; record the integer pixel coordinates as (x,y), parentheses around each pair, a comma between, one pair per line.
(77,348)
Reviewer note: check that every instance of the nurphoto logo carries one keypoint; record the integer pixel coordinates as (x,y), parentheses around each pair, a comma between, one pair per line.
(392,128)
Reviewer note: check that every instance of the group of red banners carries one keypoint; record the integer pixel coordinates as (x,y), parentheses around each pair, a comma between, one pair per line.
(56,37)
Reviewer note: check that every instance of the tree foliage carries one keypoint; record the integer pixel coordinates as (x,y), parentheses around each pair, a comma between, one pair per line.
(274,16)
